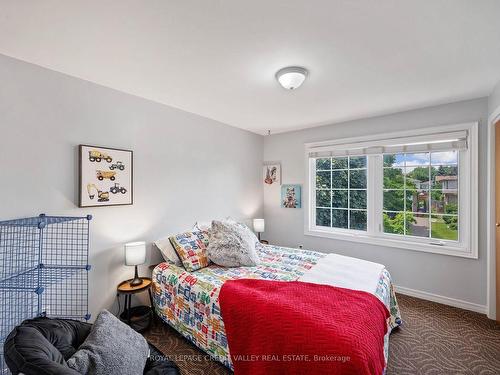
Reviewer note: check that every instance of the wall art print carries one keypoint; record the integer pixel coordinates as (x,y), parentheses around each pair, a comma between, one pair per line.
(291,196)
(272,174)
(106,176)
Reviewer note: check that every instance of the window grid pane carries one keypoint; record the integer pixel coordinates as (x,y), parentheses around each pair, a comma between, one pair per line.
(348,197)
(336,209)
(428,183)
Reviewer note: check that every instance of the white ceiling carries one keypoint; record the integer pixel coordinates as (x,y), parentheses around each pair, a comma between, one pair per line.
(218,58)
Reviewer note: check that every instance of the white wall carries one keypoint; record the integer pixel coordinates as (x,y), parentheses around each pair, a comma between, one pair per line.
(202,169)
(494,99)
(186,167)
(453,277)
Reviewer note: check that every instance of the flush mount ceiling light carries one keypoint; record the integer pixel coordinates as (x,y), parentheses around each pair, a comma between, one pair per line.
(291,77)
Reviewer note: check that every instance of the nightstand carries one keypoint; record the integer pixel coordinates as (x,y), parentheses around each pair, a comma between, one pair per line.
(138,317)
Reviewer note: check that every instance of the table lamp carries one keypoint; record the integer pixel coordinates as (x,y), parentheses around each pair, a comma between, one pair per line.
(259,226)
(135,254)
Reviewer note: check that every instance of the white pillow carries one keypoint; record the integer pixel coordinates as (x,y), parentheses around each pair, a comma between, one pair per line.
(207,225)
(202,226)
(232,245)
(167,251)
(240,222)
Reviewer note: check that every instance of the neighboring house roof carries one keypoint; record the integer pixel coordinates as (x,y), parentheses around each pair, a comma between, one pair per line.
(417,182)
(446,178)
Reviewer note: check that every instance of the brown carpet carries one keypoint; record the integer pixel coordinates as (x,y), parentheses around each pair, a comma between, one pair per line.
(435,340)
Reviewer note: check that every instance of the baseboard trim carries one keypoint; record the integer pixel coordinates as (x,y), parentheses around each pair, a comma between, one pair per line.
(482,309)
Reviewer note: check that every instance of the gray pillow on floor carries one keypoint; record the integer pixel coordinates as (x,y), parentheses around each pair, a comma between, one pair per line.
(111,348)
(232,245)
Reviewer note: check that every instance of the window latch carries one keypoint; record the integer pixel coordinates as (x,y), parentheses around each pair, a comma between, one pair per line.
(440,243)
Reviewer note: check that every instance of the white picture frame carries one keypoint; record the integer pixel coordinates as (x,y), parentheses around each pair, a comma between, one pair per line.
(272,174)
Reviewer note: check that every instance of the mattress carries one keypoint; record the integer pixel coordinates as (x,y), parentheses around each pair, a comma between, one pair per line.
(188,301)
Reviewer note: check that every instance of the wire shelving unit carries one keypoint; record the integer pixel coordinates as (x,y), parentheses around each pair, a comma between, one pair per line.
(43,271)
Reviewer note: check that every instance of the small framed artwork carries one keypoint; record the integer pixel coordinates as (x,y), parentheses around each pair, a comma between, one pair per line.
(291,196)
(272,174)
(106,176)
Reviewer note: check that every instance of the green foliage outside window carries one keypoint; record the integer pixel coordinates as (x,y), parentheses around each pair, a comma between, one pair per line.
(396,224)
(451,221)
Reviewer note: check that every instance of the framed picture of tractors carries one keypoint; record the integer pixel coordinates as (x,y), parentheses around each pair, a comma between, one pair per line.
(106,176)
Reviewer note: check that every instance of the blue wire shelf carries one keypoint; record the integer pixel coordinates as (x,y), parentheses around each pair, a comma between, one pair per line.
(43,271)
(42,220)
(39,277)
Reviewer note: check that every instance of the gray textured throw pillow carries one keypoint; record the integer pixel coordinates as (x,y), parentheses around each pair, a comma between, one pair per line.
(111,348)
(232,245)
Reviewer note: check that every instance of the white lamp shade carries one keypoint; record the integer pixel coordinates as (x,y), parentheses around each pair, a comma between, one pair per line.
(259,225)
(135,253)
(292,77)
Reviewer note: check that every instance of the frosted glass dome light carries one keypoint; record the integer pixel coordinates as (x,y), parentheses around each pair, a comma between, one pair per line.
(291,77)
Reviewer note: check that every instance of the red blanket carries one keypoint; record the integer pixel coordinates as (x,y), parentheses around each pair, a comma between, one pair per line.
(276,327)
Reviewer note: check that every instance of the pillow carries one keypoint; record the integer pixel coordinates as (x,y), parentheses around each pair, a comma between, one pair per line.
(202,226)
(167,251)
(240,222)
(207,225)
(232,245)
(191,247)
(111,348)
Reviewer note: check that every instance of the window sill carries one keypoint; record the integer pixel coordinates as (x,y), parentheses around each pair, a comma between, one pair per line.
(405,244)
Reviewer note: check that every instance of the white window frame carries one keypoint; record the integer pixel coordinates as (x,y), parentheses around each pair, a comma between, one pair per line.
(466,247)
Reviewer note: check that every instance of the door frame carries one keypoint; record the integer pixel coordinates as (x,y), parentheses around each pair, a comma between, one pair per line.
(491,230)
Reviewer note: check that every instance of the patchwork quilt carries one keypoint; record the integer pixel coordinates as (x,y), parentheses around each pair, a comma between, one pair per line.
(188,301)
(191,247)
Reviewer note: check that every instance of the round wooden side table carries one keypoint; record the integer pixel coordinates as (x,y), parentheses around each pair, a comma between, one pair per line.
(128,290)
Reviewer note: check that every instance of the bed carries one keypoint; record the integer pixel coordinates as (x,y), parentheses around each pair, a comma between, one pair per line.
(188,301)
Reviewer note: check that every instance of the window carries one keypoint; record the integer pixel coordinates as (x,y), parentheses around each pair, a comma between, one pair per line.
(421,195)
(341,192)
(414,190)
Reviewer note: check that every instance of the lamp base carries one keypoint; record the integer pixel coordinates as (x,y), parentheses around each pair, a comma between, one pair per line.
(136,280)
